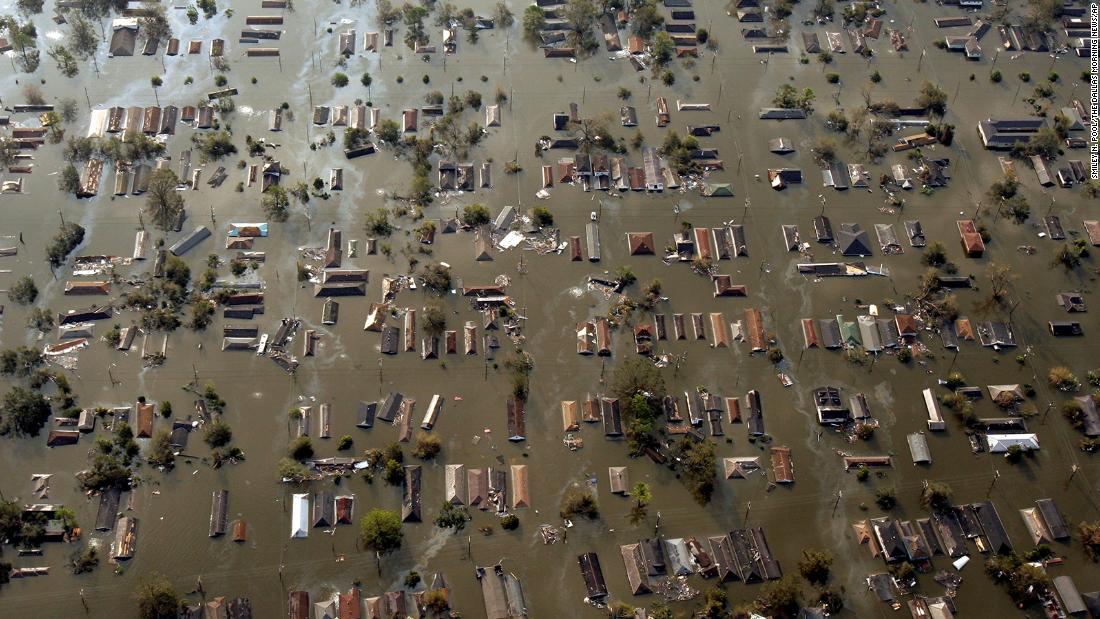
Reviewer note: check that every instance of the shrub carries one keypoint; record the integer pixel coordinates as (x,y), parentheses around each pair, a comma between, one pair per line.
(579,502)
(23,291)
(301,448)
(428,446)
(885,498)
(1062,379)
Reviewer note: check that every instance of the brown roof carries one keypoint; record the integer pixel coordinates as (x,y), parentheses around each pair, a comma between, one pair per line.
(907,324)
(733,407)
(569,419)
(724,287)
(754,325)
(782,466)
(81,288)
(964,330)
(640,243)
(1092,229)
(972,241)
(144,420)
(520,495)
(702,243)
(718,330)
(809,333)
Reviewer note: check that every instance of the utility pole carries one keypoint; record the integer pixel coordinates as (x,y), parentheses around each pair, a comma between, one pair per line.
(996,476)
(839,493)
(748,506)
(1050,405)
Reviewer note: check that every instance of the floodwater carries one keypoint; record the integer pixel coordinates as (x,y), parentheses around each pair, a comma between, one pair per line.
(173,508)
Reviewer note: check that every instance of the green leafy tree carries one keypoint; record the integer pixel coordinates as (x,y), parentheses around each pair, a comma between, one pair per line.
(381,532)
(23,291)
(275,203)
(534,20)
(156,598)
(23,412)
(474,215)
(163,202)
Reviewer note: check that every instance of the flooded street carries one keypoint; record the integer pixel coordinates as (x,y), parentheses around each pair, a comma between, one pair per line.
(551,295)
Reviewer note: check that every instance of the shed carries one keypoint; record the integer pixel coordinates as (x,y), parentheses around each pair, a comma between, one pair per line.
(619,479)
(1071,599)
(219,513)
(918,447)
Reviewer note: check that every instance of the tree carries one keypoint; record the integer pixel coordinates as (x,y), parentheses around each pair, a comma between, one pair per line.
(933,99)
(645,18)
(637,376)
(781,598)
(1062,379)
(437,279)
(381,531)
(30,7)
(452,516)
(389,131)
(21,361)
(428,446)
(156,598)
(815,566)
(663,48)
(1090,538)
(160,449)
(1000,278)
(642,496)
(218,434)
(292,471)
(886,499)
(698,464)
(414,25)
(435,321)
(788,97)
(23,37)
(474,215)
(11,520)
(301,448)
(23,291)
(534,20)
(154,24)
(68,180)
(579,501)
(378,223)
(275,203)
(23,412)
(1044,142)
(502,15)
(162,201)
(935,495)
(66,62)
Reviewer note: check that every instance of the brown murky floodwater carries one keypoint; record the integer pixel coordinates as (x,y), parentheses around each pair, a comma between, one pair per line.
(173,508)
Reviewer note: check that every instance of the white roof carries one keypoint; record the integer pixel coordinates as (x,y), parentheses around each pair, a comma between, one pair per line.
(999,443)
(299,515)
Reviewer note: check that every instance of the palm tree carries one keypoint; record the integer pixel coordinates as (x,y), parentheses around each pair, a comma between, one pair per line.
(642,496)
